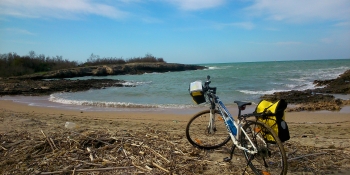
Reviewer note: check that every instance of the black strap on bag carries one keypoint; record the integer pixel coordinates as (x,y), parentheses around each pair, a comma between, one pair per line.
(273,117)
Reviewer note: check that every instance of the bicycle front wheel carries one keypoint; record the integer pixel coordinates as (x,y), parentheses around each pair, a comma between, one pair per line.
(198,130)
(271,157)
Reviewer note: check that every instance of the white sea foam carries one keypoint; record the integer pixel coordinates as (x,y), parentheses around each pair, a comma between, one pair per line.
(218,67)
(136,83)
(214,67)
(153,73)
(328,73)
(99,103)
(297,79)
(261,92)
(301,87)
(299,84)
(104,104)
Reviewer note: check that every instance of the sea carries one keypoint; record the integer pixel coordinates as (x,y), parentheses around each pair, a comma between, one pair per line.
(246,81)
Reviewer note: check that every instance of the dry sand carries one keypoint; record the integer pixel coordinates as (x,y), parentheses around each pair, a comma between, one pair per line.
(25,150)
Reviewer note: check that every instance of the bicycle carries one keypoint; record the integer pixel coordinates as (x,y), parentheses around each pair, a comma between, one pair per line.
(213,128)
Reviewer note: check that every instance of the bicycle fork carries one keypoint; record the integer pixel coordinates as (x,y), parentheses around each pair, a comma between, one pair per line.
(211,125)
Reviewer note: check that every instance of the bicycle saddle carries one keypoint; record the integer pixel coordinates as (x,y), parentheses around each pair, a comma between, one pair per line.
(242,103)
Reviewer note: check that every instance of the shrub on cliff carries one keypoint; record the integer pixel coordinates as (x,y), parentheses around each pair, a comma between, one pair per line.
(95,60)
(12,64)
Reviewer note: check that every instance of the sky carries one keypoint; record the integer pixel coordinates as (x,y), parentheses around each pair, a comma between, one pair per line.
(179,31)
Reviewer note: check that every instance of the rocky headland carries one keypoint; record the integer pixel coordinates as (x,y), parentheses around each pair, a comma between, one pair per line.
(50,82)
(119,69)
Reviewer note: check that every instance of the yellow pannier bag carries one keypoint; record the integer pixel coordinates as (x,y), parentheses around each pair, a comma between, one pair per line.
(274,116)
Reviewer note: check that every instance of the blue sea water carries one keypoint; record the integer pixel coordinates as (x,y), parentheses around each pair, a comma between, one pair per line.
(234,81)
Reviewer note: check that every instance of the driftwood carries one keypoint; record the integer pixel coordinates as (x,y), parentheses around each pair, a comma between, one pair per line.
(86,170)
(131,152)
(48,140)
(91,156)
(159,155)
(315,154)
(3,148)
(158,166)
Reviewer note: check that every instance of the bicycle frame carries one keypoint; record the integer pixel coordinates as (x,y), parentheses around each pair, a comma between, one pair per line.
(247,134)
(225,113)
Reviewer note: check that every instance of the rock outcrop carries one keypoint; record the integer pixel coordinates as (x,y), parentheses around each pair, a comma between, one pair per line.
(317,99)
(340,85)
(131,68)
(46,87)
(40,84)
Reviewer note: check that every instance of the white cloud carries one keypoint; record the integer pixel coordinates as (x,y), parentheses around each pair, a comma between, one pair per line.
(197,4)
(343,24)
(150,20)
(327,40)
(279,43)
(287,43)
(301,10)
(57,8)
(18,31)
(244,25)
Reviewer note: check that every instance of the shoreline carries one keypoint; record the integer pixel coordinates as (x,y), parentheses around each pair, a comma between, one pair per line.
(43,101)
(167,114)
(340,103)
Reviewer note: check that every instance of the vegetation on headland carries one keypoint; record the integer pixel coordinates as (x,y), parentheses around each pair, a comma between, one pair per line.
(95,60)
(12,64)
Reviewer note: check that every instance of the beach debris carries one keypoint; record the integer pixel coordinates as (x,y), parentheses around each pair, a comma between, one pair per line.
(146,149)
(130,152)
(70,125)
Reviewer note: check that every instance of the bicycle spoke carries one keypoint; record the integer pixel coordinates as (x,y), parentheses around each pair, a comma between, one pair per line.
(262,148)
(198,131)
(270,158)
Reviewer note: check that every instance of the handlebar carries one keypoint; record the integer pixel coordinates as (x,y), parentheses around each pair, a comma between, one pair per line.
(207,88)
(211,94)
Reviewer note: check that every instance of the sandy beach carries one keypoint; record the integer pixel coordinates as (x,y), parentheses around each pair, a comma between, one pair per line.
(319,144)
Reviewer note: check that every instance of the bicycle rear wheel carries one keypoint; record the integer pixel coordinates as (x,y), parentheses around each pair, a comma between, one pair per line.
(271,157)
(197,131)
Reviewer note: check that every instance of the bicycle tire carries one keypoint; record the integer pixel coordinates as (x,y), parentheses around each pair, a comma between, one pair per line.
(197,131)
(271,157)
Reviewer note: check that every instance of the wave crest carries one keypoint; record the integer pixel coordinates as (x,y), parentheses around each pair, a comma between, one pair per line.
(105,104)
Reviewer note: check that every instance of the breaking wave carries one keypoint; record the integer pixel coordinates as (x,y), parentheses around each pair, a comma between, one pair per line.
(104,104)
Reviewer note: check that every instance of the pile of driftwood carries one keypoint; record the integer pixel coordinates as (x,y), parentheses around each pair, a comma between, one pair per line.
(137,152)
(81,151)
(316,160)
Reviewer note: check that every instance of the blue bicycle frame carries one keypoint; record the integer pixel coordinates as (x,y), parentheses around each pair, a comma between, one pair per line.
(228,120)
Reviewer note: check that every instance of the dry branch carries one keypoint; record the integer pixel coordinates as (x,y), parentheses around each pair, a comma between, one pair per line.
(306,156)
(152,150)
(91,157)
(3,148)
(158,166)
(87,170)
(48,140)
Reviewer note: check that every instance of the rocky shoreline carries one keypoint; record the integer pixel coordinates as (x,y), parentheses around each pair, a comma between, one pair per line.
(46,87)
(320,98)
(118,69)
(53,81)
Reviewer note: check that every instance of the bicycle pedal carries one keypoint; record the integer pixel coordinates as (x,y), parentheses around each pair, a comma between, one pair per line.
(227,159)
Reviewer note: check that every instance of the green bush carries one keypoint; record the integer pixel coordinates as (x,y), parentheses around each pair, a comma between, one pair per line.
(12,64)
